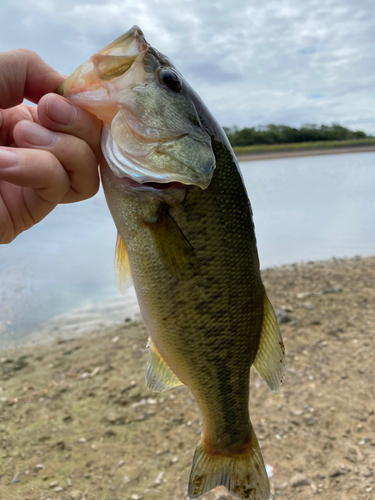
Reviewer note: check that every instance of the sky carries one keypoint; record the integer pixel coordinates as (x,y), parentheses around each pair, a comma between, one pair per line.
(253,63)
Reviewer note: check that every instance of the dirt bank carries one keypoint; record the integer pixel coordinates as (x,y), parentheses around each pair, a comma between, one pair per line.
(77,422)
(304,152)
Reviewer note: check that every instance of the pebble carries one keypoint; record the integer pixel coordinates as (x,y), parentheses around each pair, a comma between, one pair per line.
(303,295)
(282,316)
(333,289)
(95,371)
(336,472)
(53,484)
(299,480)
(59,489)
(39,467)
(159,478)
(121,463)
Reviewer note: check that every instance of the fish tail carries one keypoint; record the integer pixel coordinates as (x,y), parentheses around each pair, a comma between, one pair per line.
(242,473)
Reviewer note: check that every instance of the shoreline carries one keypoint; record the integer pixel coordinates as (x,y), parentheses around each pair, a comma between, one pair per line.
(304,152)
(77,418)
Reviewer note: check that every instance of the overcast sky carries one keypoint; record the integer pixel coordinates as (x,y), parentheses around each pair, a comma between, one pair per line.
(253,63)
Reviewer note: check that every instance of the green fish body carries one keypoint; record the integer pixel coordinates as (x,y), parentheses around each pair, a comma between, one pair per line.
(186,239)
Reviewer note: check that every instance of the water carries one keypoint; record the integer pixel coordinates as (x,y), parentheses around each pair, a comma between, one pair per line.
(305,209)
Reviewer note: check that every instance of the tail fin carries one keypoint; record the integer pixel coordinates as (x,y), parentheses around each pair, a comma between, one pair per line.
(243,474)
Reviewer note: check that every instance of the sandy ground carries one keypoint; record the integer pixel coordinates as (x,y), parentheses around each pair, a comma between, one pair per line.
(77,422)
(305,152)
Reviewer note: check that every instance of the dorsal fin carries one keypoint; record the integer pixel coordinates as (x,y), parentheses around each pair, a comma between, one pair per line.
(122,266)
(270,360)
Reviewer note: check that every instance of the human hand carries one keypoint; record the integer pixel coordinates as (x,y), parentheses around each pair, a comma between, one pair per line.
(51,152)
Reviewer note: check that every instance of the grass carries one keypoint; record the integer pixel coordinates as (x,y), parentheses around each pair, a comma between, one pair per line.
(295,146)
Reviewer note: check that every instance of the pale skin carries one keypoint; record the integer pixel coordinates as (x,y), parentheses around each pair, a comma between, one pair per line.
(49,154)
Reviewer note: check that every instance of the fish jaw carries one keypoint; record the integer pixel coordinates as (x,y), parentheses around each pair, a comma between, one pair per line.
(151,133)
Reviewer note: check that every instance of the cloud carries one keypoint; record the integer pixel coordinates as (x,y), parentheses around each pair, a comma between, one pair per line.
(252,63)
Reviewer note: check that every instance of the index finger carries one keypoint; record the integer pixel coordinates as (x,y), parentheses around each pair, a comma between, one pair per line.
(24,75)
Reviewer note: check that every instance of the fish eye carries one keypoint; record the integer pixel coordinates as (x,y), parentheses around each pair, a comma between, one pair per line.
(170,79)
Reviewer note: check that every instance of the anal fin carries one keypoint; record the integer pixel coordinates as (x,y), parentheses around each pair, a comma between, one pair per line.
(270,360)
(159,377)
(122,266)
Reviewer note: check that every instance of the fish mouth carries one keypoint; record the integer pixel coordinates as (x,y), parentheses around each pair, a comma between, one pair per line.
(148,134)
(163,186)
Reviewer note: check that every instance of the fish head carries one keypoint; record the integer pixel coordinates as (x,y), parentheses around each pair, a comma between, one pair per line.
(152,131)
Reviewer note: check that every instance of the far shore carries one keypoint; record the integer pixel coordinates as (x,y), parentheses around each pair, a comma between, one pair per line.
(265,155)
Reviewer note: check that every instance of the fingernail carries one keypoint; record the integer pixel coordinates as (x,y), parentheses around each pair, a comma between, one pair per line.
(8,158)
(61,111)
(36,135)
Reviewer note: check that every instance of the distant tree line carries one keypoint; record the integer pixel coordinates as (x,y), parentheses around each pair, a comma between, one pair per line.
(281,134)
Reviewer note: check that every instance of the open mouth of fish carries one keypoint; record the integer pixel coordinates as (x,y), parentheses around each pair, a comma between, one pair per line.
(152,133)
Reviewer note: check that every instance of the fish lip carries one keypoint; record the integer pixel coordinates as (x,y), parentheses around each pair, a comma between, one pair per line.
(152,186)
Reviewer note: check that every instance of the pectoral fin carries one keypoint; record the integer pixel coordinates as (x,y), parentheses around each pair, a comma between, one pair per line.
(174,248)
(270,360)
(122,266)
(159,377)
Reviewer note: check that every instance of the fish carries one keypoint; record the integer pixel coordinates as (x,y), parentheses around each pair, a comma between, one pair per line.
(186,241)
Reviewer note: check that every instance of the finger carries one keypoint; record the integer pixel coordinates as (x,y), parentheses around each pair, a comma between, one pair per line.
(24,74)
(74,154)
(10,117)
(38,170)
(59,114)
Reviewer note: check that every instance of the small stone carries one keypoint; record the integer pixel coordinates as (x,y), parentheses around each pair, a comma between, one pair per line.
(39,467)
(16,480)
(136,497)
(95,371)
(82,440)
(59,489)
(53,484)
(174,460)
(309,306)
(303,295)
(282,316)
(115,339)
(299,480)
(308,420)
(336,472)
(333,289)
(121,463)
(159,479)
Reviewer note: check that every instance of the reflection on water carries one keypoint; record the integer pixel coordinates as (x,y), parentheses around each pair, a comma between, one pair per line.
(306,208)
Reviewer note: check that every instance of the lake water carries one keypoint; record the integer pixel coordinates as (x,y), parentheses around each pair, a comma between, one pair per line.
(308,208)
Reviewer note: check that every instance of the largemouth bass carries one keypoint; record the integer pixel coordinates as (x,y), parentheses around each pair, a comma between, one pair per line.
(186,238)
